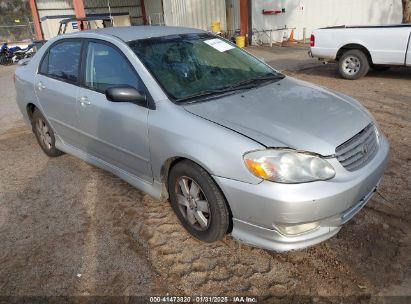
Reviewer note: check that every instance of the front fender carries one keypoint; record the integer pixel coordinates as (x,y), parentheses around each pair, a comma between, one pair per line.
(173,132)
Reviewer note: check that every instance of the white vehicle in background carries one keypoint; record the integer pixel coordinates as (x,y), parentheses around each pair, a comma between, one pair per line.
(359,48)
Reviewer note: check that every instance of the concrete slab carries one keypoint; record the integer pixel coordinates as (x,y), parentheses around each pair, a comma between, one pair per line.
(287,58)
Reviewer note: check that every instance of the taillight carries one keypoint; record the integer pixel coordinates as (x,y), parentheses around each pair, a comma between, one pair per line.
(312,40)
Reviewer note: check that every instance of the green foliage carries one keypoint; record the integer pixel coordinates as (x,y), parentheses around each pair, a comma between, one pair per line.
(13,9)
(10,11)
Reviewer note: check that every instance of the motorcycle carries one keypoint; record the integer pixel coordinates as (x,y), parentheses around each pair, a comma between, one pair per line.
(4,51)
(15,54)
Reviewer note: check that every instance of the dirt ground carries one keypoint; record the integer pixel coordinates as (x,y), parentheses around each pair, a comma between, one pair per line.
(68,228)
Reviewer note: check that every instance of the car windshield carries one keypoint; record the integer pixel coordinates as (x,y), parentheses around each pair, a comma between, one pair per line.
(197,65)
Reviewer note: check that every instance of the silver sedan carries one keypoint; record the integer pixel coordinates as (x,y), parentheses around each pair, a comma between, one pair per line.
(184,115)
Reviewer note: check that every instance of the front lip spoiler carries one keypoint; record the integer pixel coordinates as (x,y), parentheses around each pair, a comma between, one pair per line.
(272,240)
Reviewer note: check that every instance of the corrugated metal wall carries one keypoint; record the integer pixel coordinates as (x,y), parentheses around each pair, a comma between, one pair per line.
(54,7)
(65,7)
(236,14)
(233,14)
(154,11)
(312,14)
(195,13)
(133,7)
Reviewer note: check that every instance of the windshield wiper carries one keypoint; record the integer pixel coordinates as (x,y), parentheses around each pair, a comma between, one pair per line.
(209,93)
(242,85)
(256,80)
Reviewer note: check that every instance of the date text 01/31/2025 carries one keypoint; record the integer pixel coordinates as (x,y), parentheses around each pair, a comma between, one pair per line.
(202,299)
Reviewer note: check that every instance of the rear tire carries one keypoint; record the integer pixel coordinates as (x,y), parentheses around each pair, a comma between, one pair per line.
(3,59)
(44,134)
(353,64)
(198,202)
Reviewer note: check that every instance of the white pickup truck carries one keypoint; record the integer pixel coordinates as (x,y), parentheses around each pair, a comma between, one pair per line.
(359,48)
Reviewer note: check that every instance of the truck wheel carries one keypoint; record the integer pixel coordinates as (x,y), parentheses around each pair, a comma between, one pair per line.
(353,64)
(198,202)
(44,135)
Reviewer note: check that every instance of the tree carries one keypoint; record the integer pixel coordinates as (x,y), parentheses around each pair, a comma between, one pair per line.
(406,11)
(10,11)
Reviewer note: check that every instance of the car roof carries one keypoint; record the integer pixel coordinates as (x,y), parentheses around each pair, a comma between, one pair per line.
(129,33)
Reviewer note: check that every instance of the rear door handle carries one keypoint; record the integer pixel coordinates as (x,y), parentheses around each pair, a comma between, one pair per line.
(84,101)
(41,86)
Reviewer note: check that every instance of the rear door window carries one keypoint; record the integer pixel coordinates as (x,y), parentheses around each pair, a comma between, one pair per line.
(62,61)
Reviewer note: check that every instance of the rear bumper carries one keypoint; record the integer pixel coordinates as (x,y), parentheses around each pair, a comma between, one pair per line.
(327,54)
(258,210)
(324,60)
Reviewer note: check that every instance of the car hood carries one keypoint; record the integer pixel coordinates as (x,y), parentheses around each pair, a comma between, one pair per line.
(288,113)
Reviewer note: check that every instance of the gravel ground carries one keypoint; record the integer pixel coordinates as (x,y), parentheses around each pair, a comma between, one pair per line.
(68,228)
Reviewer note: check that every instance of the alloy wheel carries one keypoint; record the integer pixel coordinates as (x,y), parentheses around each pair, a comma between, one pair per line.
(44,133)
(193,203)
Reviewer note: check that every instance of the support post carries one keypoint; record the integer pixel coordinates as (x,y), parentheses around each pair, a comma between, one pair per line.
(143,12)
(79,8)
(243,17)
(36,19)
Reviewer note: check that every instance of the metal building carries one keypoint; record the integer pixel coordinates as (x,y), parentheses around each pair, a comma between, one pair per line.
(50,13)
(306,15)
(189,13)
(252,18)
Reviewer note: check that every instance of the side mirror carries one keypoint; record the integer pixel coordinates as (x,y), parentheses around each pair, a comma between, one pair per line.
(126,94)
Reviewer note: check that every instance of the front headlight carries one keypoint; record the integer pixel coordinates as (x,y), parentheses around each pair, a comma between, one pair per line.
(288,166)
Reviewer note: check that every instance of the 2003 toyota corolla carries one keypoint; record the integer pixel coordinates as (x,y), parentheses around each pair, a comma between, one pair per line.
(183,114)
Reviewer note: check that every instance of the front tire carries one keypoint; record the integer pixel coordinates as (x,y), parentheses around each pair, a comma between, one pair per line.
(44,134)
(198,202)
(353,64)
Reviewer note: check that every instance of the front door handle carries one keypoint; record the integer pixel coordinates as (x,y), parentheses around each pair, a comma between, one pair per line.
(41,86)
(84,101)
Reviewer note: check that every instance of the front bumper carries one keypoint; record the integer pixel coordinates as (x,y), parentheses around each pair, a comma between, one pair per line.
(259,209)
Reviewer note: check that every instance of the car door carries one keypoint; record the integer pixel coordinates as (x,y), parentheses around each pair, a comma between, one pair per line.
(56,86)
(114,132)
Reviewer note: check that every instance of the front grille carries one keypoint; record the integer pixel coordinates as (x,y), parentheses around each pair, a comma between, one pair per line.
(360,149)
